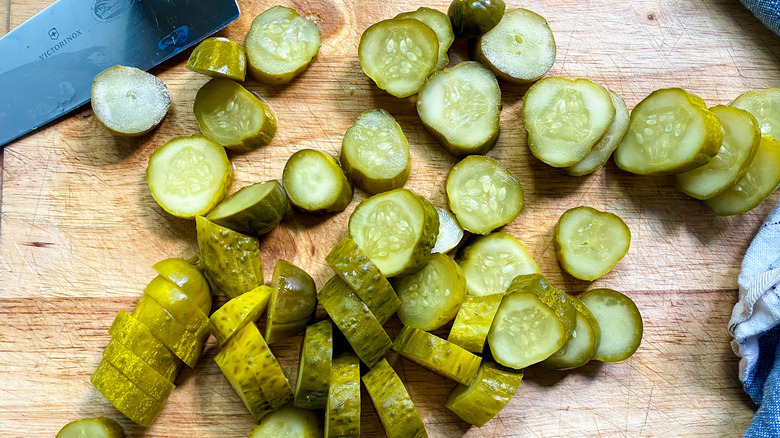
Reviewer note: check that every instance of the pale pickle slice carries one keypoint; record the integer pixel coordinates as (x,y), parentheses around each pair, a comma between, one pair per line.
(582,345)
(315,182)
(619,321)
(342,411)
(293,301)
(589,242)
(431,297)
(280,45)
(671,131)
(375,153)
(765,106)
(185,344)
(472,18)
(137,338)
(461,108)
(231,259)
(219,57)
(565,118)
(242,376)
(490,263)
(472,323)
(439,22)
(238,312)
(99,427)
(188,176)
(396,411)
(146,378)
(289,422)
(311,387)
(486,396)
(188,279)
(450,232)
(436,354)
(126,397)
(254,209)
(177,304)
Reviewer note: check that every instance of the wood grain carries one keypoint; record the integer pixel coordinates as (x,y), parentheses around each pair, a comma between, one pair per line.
(79,231)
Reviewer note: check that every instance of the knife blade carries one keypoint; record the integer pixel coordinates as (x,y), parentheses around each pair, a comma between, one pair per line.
(48,62)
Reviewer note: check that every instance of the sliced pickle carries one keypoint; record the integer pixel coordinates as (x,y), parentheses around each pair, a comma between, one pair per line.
(238,312)
(254,209)
(439,22)
(471,18)
(375,153)
(219,58)
(293,301)
(188,176)
(396,411)
(177,304)
(431,297)
(396,229)
(137,338)
(242,376)
(311,388)
(398,55)
(671,131)
(186,345)
(589,242)
(342,411)
(582,345)
(450,232)
(146,378)
(289,422)
(355,321)
(765,106)
(100,427)
(353,266)
(436,354)
(490,263)
(619,321)
(231,259)
(126,397)
(315,182)
(280,45)
(472,323)
(188,279)
(461,108)
(486,396)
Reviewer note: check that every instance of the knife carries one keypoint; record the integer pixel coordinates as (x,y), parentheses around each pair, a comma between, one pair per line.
(47,64)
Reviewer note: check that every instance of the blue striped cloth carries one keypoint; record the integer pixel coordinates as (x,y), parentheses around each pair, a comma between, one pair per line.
(768,11)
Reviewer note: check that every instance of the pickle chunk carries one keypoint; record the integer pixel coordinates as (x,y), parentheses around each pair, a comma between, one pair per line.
(315,183)
(342,413)
(490,263)
(472,323)
(289,422)
(124,395)
(254,209)
(486,396)
(232,259)
(220,58)
(471,18)
(765,106)
(436,354)
(582,345)
(293,301)
(100,427)
(188,279)
(440,24)
(137,338)
(619,321)
(238,312)
(392,403)
(311,388)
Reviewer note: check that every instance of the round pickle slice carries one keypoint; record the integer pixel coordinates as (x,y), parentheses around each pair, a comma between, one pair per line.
(471,18)
(398,55)
(289,422)
(472,323)
(483,194)
(342,411)
(436,354)
(280,45)
(490,263)
(582,345)
(293,301)
(765,106)
(450,232)
(188,176)
(254,209)
(100,427)
(188,279)
(671,131)
(396,411)
(461,108)
(124,395)
(315,183)
(486,396)
(439,22)
(619,321)
(238,312)
(220,58)
(311,387)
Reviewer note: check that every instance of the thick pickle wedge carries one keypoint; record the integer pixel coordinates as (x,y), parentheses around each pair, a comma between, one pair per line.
(431,297)
(238,312)
(186,345)
(461,108)
(582,345)
(375,153)
(137,338)
(289,422)
(450,232)
(619,321)
(188,176)
(188,279)
(565,118)
(231,259)
(765,106)
(355,321)
(486,396)
(519,49)
(242,376)
(436,354)
(342,411)
(220,58)
(439,22)
(396,411)
(315,182)
(589,242)
(311,388)
(398,55)
(471,18)
(126,397)
(354,267)
(254,209)
(671,131)
(146,378)
(293,301)
(396,229)
(177,304)
(760,180)
(472,323)
(490,263)
(280,45)
(99,427)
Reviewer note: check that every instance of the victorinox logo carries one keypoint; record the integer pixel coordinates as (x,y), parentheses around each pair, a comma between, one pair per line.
(55,35)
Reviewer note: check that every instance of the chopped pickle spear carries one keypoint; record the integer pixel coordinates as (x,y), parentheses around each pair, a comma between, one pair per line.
(280,45)
(436,354)
(137,338)
(220,58)
(396,229)
(483,194)
(137,371)
(232,260)
(431,297)
(486,396)
(100,427)
(471,18)
(342,411)
(254,209)
(124,395)
(188,279)
(311,388)
(186,345)
(760,180)
(315,182)
(565,118)
(619,321)
(765,106)
(177,304)
(450,232)
(128,101)
(396,411)
(375,153)
(242,376)
(589,242)
(461,107)
(439,22)
(273,382)
(472,323)
(293,301)
(289,422)
(233,117)
(582,345)
(671,131)
(355,321)
(354,267)
(399,54)
(520,49)
(490,263)
(238,312)
(188,176)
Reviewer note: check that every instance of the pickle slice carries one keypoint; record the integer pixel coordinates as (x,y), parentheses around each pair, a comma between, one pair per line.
(619,321)
(436,354)
(765,106)
(671,131)
(355,321)
(230,115)
(254,209)
(138,372)
(582,345)
(100,427)
(220,58)
(565,118)
(461,108)
(280,45)
(519,49)
(188,279)
(396,229)
(589,242)
(238,312)
(431,297)
(311,388)
(439,22)
(353,266)
(342,411)
(315,182)
(471,18)
(490,263)
(242,376)
(760,180)
(375,153)
(137,338)
(232,260)
(398,55)
(188,176)
(472,323)
(289,422)
(128,101)
(486,396)
(185,344)
(177,304)
(293,301)
(396,411)
(450,232)
(126,397)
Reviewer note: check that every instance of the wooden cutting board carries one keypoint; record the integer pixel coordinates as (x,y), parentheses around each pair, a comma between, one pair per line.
(79,231)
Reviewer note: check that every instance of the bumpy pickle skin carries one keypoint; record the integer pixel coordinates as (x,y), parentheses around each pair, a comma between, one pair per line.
(293,301)
(311,388)
(231,259)
(315,183)
(289,422)
(472,18)
(238,312)
(436,354)
(254,209)
(472,323)
(219,57)
(342,411)
(490,263)
(242,376)
(99,427)
(486,396)
(440,23)
(188,279)
(137,338)
(177,304)
(396,411)
(187,345)
(126,397)
(146,378)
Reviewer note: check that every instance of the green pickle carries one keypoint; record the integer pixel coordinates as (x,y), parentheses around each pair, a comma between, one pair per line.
(315,182)
(436,354)
(342,410)
(238,312)
(396,411)
(582,345)
(472,323)
(242,376)
(289,422)
(472,18)
(99,427)
(177,304)
(137,338)
(450,232)
(219,57)
(146,378)
(293,301)
(124,395)
(619,321)
(188,279)
(490,263)
(186,345)
(254,209)
(765,106)
(439,22)
(311,388)
(486,396)
(231,259)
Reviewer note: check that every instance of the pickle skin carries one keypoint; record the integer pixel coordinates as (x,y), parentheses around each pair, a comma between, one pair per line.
(471,18)
(220,58)
(242,377)
(259,218)
(126,397)
(273,381)
(99,427)
(396,411)
(487,395)
(342,411)
(559,360)
(138,372)
(293,302)
(176,303)
(231,259)
(137,338)
(436,354)
(188,279)
(186,345)
(238,312)
(311,388)
(472,323)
